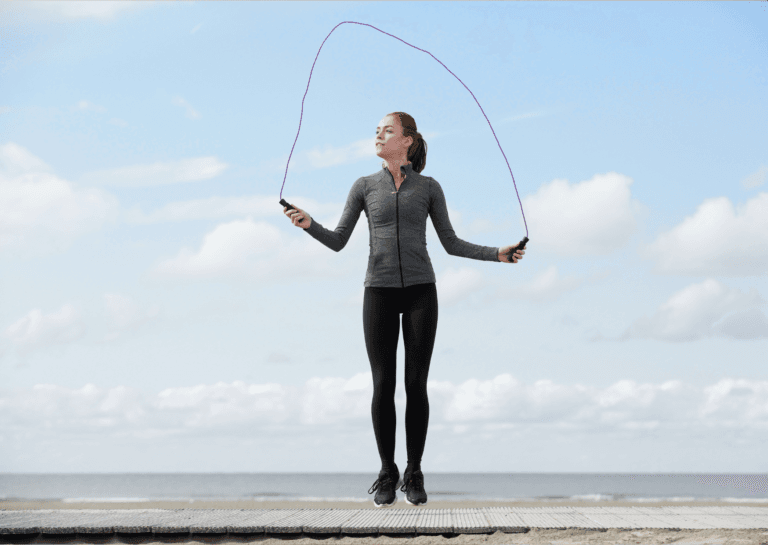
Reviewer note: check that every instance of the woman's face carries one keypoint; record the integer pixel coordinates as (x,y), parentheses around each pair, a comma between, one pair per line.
(390,142)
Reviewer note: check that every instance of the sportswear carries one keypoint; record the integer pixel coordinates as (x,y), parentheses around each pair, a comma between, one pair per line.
(382,309)
(397,223)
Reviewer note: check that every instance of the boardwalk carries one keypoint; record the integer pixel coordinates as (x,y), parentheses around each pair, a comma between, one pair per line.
(358,522)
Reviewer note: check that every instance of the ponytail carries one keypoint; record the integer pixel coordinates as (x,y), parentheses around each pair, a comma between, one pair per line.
(417,153)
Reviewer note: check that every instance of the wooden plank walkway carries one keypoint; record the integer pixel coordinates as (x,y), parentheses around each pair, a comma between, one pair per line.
(351,522)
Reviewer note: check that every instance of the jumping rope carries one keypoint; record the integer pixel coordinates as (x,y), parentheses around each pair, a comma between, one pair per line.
(283,202)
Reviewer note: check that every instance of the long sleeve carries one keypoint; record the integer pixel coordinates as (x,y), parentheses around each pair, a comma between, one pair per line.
(338,238)
(438,211)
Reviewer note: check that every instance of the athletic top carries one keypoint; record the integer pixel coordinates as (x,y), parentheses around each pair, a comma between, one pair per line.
(397,224)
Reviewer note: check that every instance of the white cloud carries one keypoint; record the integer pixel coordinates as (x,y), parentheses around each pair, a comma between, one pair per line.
(209,208)
(268,426)
(59,12)
(594,217)
(191,113)
(454,285)
(547,285)
(40,212)
(756,179)
(36,330)
(125,315)
(228,207)
(473,406)
(330,156)
(259,252)
(225,250)
(196,28)
(159,173)
(734,399)
(89,106)
(16,160)
(716,240)
(706,309)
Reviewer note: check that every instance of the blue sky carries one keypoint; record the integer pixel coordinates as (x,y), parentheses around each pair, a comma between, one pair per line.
(154,297)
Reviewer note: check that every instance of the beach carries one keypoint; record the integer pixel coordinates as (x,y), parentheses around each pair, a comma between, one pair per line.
(650,536)
(534,537)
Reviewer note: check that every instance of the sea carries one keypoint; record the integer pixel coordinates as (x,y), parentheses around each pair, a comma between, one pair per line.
(353,487)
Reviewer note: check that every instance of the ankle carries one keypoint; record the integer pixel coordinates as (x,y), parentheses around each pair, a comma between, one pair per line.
(413,466)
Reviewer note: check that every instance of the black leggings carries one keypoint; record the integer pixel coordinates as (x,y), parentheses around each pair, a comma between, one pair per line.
(381,323)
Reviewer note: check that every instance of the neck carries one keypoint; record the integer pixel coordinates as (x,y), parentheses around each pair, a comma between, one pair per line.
(393,165)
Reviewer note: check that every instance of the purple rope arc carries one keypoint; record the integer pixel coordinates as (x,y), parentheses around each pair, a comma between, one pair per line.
(431,55)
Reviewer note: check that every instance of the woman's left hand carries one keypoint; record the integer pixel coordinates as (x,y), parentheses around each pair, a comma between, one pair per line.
(516,256)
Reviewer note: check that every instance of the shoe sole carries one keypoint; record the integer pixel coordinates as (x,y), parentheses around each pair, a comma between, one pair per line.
(385,504)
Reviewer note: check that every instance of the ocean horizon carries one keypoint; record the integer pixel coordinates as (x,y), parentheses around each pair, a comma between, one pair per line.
(353,487)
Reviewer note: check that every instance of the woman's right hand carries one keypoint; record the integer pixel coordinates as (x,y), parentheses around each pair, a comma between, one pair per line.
(298,217)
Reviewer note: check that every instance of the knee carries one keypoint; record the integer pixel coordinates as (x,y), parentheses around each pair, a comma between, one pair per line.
(384,389)
(416,388)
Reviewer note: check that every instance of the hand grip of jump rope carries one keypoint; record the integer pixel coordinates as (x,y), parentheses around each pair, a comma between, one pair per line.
(289,207)
(520,246)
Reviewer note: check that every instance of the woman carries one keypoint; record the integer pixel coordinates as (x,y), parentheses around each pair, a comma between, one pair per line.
(399,280)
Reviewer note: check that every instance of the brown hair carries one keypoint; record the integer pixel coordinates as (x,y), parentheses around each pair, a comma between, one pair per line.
(417,153)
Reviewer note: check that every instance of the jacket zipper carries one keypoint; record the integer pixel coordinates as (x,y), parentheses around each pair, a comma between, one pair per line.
(397,220)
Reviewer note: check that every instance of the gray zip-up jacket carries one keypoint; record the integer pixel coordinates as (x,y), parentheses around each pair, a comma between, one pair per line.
(397,223)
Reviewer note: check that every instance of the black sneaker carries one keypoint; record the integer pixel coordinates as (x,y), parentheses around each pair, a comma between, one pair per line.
(386,485)
(413,486)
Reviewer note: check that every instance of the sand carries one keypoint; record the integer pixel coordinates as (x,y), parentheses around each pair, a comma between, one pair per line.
(535,536)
